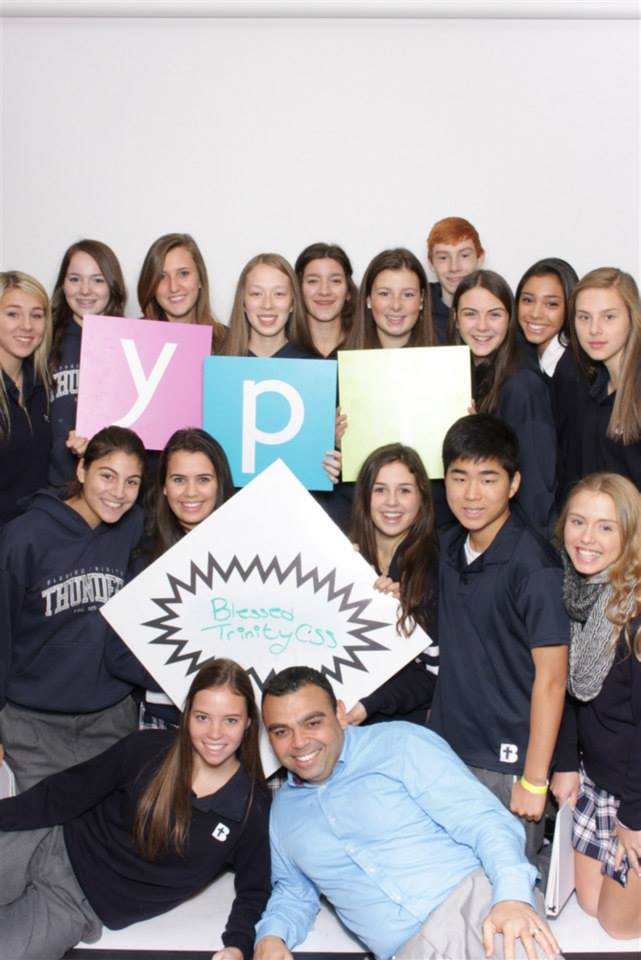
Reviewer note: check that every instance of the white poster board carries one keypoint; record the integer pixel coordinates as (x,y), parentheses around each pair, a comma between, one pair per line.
(271,582)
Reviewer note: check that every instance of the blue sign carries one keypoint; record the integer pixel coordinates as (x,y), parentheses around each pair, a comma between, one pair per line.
(261,410)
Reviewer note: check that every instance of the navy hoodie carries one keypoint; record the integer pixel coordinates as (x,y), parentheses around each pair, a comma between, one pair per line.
(62,464)
(55,574)
(24,448)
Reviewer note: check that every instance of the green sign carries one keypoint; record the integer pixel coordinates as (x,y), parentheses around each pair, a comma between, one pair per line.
(409,396)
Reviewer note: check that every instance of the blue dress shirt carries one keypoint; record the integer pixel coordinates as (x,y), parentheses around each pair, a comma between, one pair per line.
(399,823)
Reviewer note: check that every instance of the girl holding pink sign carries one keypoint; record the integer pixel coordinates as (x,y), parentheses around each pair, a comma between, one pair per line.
(89,281)
(174,285)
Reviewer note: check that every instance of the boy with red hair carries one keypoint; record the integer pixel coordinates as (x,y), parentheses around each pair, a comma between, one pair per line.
(453,250)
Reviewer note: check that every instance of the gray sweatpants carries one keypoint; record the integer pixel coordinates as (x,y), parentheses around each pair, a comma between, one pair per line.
(43,911)
(38,743)
(453,930)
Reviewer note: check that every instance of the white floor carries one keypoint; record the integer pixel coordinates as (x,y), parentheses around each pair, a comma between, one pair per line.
(197,925)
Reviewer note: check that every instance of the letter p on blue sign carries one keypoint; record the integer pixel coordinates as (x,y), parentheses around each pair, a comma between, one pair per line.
(261,410)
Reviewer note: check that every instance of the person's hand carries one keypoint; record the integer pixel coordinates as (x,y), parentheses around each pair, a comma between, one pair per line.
(472,407)
(76,444)
(518,921)
(228,953)
(356,715)
(341,426)
(565,786)
(271,948)
(332,464)
(630,845)
(387,585)
(526,804)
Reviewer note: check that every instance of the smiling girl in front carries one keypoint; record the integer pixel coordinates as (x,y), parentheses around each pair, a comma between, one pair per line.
(483,317)
(598,755)
(145,825)
(393,528)
(604,406)
(59,563)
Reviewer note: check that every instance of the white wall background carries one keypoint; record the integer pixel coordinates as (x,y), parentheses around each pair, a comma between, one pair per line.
(261,135)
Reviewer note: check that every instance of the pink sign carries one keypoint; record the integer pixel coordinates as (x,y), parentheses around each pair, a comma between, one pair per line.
(142,374)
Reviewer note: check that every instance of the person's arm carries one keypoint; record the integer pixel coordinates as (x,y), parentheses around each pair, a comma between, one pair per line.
(525,405)
(291,909)
(565,781)
(68,794)
(546,708)
(251,863)
(408,690)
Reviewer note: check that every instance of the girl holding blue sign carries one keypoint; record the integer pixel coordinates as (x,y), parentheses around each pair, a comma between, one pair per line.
(483,317)
(25,433)
(174,285)
(393,304)
(329,293)
(139,829)
(268,317)
(89,281)
(393,528)
(59,562)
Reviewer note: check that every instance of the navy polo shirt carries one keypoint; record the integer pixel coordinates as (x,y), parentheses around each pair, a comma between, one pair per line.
(492,613)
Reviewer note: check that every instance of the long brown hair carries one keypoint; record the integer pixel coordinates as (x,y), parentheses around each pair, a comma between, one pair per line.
(163,816)
(416,555)
(330,251)
(108,440)
(108,264)
(151,274)
(625,573)
(491,374)
(296,330)
(625,419)
(17,280)
(167,529)
(363,333)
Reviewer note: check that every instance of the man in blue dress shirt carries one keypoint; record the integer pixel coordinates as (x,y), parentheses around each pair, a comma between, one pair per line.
(392,828)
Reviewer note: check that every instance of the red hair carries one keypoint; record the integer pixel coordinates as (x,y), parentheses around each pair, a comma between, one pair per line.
(453,230)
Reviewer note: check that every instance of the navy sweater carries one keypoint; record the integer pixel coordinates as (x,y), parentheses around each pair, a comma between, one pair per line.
(585,410)
(24,448)
(408,694)
(62,464)
(440,314)
(605,734)
(96,801)
(55,573)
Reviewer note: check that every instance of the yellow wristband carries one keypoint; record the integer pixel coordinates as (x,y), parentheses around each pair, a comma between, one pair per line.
(532,787)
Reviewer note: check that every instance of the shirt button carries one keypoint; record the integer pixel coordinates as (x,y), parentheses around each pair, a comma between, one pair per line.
(350,850)
(371,870)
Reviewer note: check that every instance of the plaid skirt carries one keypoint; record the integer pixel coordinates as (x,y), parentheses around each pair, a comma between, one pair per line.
(593,827)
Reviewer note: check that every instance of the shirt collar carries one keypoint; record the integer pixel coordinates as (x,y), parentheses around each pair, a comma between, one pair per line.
(230,801)
(499,551)
(551,356)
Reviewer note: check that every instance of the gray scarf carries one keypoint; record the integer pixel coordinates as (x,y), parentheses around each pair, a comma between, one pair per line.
(586,600)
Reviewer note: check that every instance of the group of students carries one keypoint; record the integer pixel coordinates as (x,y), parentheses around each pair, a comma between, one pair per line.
(559,371)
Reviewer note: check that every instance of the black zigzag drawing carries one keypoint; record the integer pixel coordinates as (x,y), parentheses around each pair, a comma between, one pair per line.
(343,595)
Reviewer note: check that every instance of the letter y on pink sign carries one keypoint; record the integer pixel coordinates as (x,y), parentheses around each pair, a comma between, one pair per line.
(142,374)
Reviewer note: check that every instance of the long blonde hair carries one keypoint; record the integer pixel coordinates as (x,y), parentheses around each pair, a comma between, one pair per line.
(625,573)
(16,280)
(296,330)
(625,419)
